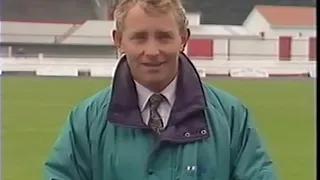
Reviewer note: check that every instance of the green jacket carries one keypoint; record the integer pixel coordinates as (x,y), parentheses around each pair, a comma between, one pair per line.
(210,136)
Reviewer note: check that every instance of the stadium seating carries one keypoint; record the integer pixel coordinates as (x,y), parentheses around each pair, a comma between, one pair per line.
(71,11)
(75,11)
(61,51)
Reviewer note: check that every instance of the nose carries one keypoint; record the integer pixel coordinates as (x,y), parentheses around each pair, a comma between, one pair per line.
(151,49)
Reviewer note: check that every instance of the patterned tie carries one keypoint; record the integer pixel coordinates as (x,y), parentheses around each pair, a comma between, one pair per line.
(155,120)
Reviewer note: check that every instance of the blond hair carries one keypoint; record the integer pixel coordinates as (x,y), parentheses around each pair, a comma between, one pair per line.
(149,6)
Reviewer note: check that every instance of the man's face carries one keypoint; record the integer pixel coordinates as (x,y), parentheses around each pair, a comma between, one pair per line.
(152,43)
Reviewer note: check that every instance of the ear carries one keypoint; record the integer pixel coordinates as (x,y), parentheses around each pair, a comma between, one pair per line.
(116,37)
(185,38)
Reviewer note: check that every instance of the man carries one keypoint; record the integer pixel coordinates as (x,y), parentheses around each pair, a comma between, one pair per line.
(158,120)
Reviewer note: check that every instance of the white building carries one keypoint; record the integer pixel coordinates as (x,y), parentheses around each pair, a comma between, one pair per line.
(275,21)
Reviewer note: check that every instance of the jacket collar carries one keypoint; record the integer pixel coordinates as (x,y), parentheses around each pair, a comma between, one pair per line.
(144,94)
(187,120)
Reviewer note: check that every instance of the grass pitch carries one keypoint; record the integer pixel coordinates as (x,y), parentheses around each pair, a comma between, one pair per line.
(34,110)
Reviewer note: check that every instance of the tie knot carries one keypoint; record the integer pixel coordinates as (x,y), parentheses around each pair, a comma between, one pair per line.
(155,100)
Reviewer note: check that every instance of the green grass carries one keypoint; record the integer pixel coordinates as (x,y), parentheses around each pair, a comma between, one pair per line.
(34,110)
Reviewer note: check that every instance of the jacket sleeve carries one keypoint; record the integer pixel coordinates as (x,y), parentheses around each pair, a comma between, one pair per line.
(70,156)
(250,161)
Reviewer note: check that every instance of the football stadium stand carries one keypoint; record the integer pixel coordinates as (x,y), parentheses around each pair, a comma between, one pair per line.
(231,34)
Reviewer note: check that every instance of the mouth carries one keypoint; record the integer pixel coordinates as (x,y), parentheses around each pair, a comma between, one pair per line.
(157,64)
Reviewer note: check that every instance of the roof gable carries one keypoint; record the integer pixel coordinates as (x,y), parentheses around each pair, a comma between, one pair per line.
(288,15)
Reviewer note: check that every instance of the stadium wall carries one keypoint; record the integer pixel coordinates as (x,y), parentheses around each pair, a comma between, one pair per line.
(215,50)
(208,42)
(105,67)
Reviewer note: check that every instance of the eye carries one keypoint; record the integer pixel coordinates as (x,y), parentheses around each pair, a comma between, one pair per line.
(164,38)
(139,39)
(139,36)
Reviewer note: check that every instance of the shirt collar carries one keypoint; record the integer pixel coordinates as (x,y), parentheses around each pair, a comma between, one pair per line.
(144,93)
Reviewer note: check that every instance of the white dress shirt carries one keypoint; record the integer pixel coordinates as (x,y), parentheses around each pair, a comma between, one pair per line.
(164,108)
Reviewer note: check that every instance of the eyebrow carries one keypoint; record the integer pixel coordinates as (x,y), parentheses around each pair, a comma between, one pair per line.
(164,32)
(157,32)
(139,33)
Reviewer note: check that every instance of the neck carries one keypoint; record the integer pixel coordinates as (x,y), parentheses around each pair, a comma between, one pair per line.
(157,87)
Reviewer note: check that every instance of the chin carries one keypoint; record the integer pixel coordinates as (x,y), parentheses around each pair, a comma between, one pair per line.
(154,79)
(154,82)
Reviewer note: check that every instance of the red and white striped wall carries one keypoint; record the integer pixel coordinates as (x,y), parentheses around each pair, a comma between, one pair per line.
(284,48)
